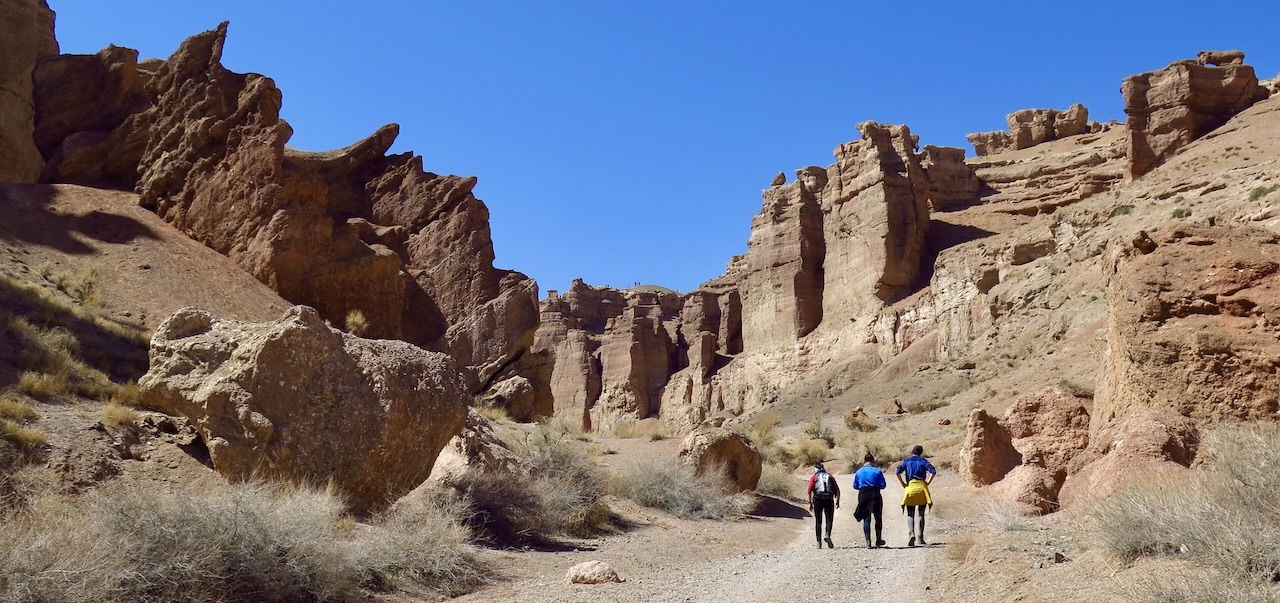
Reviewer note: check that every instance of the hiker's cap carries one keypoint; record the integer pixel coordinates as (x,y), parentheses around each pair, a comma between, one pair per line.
(819,467)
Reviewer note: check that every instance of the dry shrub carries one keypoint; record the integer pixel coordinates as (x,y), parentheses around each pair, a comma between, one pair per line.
(1225,517)
(493,412)
(1002,516)
(229,543)
(563,494)
(676,489)
(128,394)
(626,429)
(807,451)
(859,421)
(763,432)
(14,407)
(356,323)
(817,431)
(115,415)
(422,539)
(776,480)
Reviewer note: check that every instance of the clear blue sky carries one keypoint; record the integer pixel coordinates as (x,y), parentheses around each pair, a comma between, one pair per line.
(624,142)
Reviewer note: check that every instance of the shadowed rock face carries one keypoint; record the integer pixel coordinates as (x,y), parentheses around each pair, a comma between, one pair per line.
(26,35)
(341,231)
(372,426)
(717,449)
(1169,108)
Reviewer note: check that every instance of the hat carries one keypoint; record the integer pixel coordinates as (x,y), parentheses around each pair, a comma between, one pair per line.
(819,467)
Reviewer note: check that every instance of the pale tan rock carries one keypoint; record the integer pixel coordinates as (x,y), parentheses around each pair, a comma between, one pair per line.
(26,36)
(297,400)
(1220,57)
(476,448)
(1169,108)
(719,449)
(591,572)
(1031,127)
(952,183)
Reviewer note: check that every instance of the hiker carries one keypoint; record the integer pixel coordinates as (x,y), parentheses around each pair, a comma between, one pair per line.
(919,473)
(869,481)
(824,498)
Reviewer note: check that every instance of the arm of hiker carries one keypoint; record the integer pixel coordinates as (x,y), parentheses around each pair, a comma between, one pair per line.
(932,473)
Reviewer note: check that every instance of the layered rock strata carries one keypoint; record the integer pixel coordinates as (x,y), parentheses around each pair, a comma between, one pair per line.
(26,36)
(297,400)
(1169,108)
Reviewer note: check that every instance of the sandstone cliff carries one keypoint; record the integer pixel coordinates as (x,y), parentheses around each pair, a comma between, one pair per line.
(26,35)
(344,231)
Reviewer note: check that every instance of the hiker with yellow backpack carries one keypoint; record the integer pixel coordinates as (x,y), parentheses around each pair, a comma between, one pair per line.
(915,473)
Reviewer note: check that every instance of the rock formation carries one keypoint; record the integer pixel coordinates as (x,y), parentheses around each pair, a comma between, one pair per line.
(1026,454)
(1169,108)
(26,35)
(298,400)
(1030,127)
(477,447)
(351,230)
(952,183)
(1220,57)
(719,449)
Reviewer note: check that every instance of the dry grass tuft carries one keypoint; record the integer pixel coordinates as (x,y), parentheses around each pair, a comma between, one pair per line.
(927,405)
(859,421)
(23,436)
(1002,516)
(356,322)
(887,445)
(673,487)
(42,386)
(14,407)
(115,415)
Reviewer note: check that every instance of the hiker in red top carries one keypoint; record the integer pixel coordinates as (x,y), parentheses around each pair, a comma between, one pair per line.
(824,499)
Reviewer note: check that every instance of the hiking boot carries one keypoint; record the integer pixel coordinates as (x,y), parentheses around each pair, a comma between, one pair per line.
(879,544)
(922,542)
(912,542)
(829,545)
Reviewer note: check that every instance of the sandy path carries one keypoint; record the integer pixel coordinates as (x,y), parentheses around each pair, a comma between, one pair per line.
(660,570)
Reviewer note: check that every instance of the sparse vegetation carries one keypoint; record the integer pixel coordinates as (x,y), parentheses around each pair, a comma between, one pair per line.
(14,407)
(116,415)
(356,323)
(493,412)
(807,451)
(675,488)
(1078,390)
(887,445)
(246,542)
(42,386)
(776,480)
(816,430)
(1122,210)
(858,420)
(563,493)
(23,436)
(1223,517)
(1000,516)
(1181,212)
(1262,191)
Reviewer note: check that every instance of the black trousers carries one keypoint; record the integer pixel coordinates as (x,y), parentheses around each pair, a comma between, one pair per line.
(821,507)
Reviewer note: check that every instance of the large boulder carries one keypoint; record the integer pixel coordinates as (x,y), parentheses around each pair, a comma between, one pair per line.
(298,400)
(476,448)
(26,35)
(716,448)
(1169,108)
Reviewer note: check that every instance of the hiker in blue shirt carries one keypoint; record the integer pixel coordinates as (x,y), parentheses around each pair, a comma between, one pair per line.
(869,481)
(918,472)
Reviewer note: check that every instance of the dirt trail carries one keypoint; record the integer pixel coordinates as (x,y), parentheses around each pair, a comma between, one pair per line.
(660,570)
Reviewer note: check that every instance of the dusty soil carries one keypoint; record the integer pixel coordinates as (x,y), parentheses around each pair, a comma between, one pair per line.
(769,556)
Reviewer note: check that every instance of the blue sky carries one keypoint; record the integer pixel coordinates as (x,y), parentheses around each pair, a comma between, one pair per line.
(624,142)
